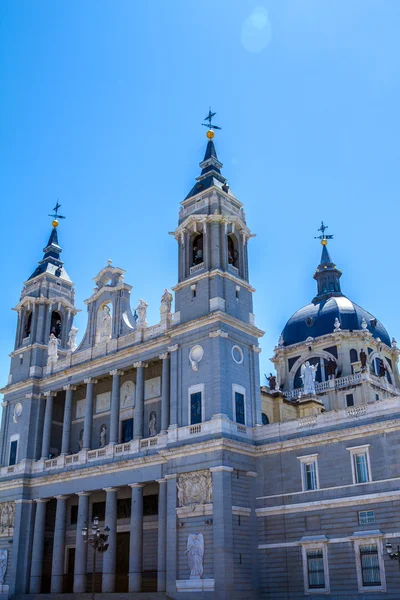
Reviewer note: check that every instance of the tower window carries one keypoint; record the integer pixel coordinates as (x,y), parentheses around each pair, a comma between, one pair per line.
(239,408)
(28,324)
(55,326)
(195,408)
(233,254)
(13,452)
(197,252)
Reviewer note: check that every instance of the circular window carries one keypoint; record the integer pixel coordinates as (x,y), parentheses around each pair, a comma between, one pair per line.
(310,321)
(237,355)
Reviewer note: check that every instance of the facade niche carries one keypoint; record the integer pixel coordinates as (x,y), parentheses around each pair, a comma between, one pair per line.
(233,254)
(197,250)
(55,325)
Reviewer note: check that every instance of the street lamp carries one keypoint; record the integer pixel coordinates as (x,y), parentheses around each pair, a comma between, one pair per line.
(393,555)
(98,541)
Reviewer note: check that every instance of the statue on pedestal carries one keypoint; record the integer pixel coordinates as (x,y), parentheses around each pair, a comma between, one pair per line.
(308,374)
(195,552)
(142,312)
(363,359)
(52,350)
(72,339)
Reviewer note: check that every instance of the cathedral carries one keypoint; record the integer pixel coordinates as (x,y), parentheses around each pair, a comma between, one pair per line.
(147,461)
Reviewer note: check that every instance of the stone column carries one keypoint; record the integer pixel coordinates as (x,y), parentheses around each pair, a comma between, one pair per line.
(48,419)
(57,571)
(222,531)
(139,404)
(88,421)
(81,545)
(171,534)
(215,250)
(165,381)
(35,586)
(173,397)
(66,433)
(136,539)
(162,536)
(41,321)
(115,394)
(110,557)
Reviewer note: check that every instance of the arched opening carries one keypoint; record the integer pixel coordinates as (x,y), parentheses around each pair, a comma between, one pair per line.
(315,360)
(265,420)
(197,250)
(27,324)
(353,355)
(55,324)
(233,254)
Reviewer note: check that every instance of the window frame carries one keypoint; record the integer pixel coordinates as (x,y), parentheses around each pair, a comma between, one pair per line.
(307,460)
(305,548)
(13,438)
(367,540)
(357,451)
(240,390)
(366,512)
(195,389)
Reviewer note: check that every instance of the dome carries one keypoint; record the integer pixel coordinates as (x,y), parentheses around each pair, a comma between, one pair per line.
(318,319)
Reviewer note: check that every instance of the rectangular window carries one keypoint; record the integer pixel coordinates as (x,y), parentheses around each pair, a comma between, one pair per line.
(127,430)
(310,476)
(13,452)
(349,400)
(315,569)
(365,517)
(150,505)
(239,408)
(195,408)
(74,514)
(361,468)
(99,510)
(124,508)
(370,572)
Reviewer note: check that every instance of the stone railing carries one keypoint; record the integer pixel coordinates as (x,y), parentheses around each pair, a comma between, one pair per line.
(233,269)
(324,386)
(197,268)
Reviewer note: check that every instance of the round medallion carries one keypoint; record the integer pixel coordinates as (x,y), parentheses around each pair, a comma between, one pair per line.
(195,356)
(237,354)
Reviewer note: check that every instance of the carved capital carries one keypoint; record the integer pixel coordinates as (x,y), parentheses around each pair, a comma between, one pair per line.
(136,485)
(47,394)
(89,380)
(111,489)
(42,500)
(139,364)
(116,372)
(256,349)
(83,493)
(164,356)
(69,387)
(173,348)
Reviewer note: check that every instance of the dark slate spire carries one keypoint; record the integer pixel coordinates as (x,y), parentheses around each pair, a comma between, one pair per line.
(327,276)
(51,262)
(210,173)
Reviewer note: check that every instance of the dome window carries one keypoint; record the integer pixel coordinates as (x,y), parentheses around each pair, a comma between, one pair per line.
(310,321)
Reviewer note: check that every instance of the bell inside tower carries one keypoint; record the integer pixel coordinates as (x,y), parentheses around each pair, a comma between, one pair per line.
(233,254)
(55,326)
(197,249)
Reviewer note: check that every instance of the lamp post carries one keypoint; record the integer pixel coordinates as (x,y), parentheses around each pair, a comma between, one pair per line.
(393,555)
(98,541)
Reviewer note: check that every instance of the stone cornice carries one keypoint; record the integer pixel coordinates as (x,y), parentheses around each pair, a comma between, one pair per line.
(216,217)
(49,301)
(108,288)
(213,273)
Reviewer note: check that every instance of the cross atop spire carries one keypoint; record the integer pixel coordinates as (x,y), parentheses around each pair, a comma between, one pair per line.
(210,125)
(55,215)
(323,237)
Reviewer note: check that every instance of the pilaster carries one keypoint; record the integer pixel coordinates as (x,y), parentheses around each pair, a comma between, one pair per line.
(136,539)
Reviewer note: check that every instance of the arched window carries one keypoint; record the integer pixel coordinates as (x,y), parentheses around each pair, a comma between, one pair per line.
(55,325)
(265,420)
(28,324)
(233,254)
(353,355)
(197,250)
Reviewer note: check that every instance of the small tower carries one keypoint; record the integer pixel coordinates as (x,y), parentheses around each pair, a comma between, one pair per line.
(46,307)
(212,238)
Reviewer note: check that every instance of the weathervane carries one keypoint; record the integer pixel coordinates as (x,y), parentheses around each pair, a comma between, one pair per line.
(324,238)
(56,216)
(211,127)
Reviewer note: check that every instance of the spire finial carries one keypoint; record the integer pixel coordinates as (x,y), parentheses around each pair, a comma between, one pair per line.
(324,238)
(210,133)
(56,216)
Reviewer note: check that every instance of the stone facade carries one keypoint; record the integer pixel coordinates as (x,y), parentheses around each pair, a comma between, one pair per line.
(157,430)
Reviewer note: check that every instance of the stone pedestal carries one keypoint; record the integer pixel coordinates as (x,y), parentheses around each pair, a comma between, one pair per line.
(310,405)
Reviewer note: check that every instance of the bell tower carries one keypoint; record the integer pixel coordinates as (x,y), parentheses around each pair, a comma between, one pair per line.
(212,238)
(46,307)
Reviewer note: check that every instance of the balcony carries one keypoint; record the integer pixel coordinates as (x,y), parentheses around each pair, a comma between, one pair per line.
(196,268)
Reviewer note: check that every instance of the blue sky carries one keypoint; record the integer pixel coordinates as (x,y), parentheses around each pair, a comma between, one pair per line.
(101,107)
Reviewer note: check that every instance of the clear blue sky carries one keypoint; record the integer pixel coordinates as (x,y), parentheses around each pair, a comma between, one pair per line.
(101,106)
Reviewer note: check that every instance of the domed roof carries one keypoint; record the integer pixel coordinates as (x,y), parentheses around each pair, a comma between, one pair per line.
(318,319)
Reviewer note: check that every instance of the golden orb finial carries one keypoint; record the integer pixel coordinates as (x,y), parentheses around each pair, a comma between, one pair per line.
(210,134)
(55,223)
(324,242)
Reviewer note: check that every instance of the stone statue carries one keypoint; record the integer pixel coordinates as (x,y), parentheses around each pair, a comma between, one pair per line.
(105,324)
(195,552)
(7,516)
(336,325)
(363,359)
(271,382)
(72,339)
(141,312)
(153,423)
(80,440)
(166,302)
(364,324)
(382,368)
(308,373)
(330,368)
(52,350)
(194,488)
(103,436)
(394,343)
(281,341)
(3,564)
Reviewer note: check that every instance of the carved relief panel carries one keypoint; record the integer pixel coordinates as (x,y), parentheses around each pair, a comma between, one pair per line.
(194,488)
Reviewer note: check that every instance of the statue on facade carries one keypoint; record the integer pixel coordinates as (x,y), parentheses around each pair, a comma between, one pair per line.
(336,324)
(142,312)
(394,343)
(153,423)
(166,302)
(382,368)
(363,359)
(364,324)
(195,552)
(72,339)
(80,440)
(281,341)
(105,324)
(103,436)
(330,368)
(3,564)
(52,349)
(308,373)
(271,382)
